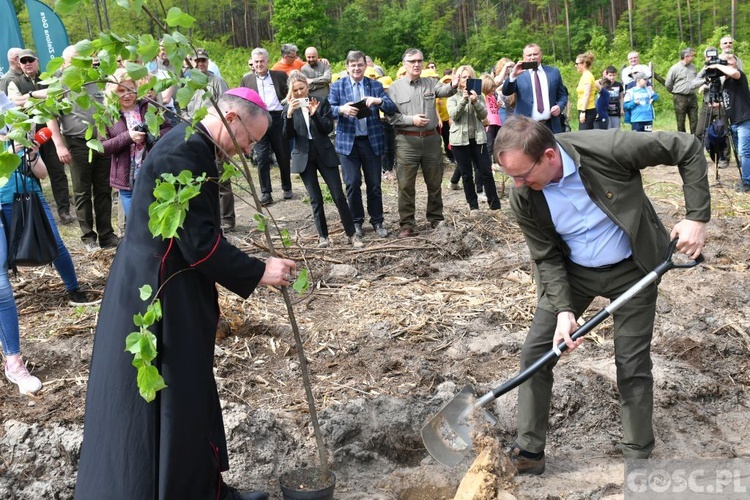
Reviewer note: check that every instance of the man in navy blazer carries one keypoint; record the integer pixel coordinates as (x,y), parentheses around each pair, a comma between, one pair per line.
(272,87)
(359,141)
(544,81)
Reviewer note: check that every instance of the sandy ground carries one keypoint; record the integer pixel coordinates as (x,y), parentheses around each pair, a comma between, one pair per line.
(392,332)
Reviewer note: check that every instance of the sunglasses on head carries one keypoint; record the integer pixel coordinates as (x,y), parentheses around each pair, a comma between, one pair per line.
(27,60)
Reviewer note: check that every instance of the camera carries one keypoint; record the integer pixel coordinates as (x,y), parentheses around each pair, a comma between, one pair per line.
(713,75)
(150,138)
(712,57)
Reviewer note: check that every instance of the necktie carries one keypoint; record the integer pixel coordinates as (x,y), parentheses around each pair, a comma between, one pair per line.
(358,96)
(538,92)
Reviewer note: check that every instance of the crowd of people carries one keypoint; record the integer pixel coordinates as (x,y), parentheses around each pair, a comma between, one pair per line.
(564,198)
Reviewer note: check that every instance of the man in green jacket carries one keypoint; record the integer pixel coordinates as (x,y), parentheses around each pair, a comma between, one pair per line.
(592,231)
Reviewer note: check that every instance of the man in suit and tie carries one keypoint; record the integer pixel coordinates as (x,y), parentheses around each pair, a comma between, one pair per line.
(272,87)
(540,93)
(359,141)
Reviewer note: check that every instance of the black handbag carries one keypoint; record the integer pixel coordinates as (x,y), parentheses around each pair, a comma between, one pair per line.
(32,241)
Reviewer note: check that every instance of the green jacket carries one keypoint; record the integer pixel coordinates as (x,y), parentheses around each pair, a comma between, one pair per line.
(461,113)
(609,163)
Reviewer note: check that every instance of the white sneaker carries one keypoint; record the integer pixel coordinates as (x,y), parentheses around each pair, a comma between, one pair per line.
(19,375)
(324,242)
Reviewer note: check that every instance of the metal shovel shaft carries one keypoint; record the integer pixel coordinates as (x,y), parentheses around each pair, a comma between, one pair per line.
(447,436)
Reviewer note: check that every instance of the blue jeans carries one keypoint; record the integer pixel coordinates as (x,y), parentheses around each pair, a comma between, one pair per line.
(63,263)
(363,159)
(8,310)
(741,136)
(126,197)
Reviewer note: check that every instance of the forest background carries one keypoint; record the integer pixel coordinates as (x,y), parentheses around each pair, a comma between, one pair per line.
(449,32)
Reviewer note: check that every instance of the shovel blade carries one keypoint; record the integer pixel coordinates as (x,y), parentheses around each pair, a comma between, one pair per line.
(447,435)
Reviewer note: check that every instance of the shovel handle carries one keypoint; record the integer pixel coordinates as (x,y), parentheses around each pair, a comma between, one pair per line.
(603,314)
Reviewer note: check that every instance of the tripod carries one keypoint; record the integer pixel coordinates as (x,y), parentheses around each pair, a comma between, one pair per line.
(713,118)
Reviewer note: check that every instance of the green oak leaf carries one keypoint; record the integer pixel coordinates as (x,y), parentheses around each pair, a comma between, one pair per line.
(84,48)
(96,145)
(136,71)
(184,94)
(55,64)
(149,382)
(165,191)
(302,283)
(8,163)
(148,47)
(133,343)
(66,7)
(175,17)
(261,220)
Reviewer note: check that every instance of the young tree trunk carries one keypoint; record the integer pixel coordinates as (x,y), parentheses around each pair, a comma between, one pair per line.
(690,22)
(552,30)
(246,38)
(612,20)
(567,28)
(106,15)
(700,23)
(630,22)
(679,20)
(98,15)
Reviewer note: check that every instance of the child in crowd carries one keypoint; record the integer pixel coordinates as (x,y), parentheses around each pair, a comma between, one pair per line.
(639,100)
(601,122)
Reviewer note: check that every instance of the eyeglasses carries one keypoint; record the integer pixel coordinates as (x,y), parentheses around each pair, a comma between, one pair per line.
(249,135)
(414,61)
(522,178)
(27,60)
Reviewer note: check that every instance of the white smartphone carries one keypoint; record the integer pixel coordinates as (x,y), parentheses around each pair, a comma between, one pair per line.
(304,102)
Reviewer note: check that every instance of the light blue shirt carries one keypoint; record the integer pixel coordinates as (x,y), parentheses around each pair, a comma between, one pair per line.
(593,238)
(358,91)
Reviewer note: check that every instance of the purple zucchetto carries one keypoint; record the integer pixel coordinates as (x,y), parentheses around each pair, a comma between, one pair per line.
(248,95)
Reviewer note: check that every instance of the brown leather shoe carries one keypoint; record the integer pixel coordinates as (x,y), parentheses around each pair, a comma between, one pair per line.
(407,232)
(526,465)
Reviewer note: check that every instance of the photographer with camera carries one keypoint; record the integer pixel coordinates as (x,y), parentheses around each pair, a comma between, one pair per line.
(712,113)
(128,140)
(736,99)
(539,89)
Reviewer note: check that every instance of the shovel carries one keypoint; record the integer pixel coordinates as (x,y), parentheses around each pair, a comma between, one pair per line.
(447,436)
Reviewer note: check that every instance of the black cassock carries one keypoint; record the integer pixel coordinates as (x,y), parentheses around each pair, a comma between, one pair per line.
(173,447)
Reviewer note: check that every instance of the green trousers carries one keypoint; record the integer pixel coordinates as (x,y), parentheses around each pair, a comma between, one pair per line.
(634,323)
(411,154)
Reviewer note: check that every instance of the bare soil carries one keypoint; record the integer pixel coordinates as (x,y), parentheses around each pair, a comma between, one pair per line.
(392,332)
